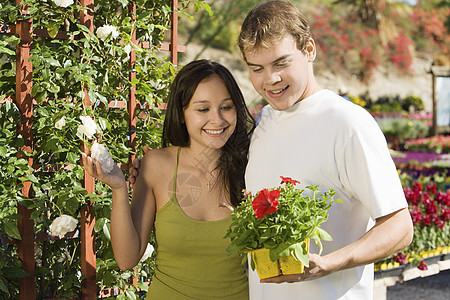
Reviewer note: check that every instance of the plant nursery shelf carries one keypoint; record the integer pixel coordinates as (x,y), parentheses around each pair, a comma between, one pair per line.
(392,276)
(407,271)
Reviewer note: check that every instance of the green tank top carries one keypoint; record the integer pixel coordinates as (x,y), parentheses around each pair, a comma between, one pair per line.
(191,259)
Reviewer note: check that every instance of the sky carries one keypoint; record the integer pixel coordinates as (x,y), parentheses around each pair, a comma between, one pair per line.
(411,2)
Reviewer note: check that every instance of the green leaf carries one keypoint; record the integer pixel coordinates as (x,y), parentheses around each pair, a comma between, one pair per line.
(208,9)
(103,123)
(124,3)
(72,157)
(318,242)
(135,81)
(53,62)
(106,231)
(4,287)
(130,295)
(35,214)
(300,254)
(14,272)
(29,177)
(142,286)
(323,234)
(101,98)
(53,31)
(3,151)
(273,255)
(35,90)
(121,297)
(12,230)
(71,205)
(53,88)
(7,51)
(40,97)
(99,224)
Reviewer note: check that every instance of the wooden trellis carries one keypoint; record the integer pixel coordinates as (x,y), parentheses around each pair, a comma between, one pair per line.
(24,102)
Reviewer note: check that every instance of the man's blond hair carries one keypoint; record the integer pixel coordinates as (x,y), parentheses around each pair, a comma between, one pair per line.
(270,22)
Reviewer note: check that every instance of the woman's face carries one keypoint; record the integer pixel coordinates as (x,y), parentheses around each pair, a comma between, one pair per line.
(211,114)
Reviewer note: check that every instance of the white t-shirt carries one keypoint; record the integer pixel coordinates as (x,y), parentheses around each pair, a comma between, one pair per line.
(328,141)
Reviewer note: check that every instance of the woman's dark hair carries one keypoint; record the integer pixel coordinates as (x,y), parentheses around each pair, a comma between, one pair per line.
(233,158)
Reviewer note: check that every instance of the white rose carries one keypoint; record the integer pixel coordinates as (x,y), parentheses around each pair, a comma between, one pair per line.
(89,128)
(63,3)
(104,31)
(148,252)
(127,49)
(100,153)
(61,123)
(62,225)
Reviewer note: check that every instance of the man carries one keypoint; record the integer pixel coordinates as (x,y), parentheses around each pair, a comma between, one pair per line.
(315,136)
(312,135)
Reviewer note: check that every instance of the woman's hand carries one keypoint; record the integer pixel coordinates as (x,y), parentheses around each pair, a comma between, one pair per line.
(115,179)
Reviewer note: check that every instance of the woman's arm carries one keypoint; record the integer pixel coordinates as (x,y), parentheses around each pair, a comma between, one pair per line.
(131,225)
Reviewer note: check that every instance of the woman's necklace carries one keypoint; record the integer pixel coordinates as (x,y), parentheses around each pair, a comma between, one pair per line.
(203,170)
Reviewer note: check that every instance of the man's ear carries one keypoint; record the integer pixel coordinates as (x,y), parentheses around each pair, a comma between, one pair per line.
(310,50)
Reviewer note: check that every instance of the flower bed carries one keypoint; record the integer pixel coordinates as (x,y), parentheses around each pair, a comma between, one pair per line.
(420,160)
(428,198)
(435,144)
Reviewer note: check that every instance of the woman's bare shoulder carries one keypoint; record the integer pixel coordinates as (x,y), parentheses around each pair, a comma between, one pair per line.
(159,160)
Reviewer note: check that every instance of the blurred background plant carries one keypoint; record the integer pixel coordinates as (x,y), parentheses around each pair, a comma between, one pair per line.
(351,35)
(428,197)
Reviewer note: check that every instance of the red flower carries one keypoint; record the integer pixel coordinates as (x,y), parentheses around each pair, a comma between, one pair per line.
(400,258)
(432,188)
(265,203)
(288,180)
(417,187)
(423,266)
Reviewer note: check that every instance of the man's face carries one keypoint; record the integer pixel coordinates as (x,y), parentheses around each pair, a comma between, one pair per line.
(282,74)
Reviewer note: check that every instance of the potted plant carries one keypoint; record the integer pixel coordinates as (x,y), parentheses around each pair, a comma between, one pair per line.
(274,227)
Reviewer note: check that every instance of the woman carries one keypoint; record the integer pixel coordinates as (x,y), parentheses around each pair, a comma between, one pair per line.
(186,189)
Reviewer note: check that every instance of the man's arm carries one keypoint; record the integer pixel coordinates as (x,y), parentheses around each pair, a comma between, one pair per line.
(390,233)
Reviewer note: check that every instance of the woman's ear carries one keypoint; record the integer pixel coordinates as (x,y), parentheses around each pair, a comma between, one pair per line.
(310,50)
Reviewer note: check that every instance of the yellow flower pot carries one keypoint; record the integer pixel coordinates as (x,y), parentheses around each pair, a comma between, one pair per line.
(283,266)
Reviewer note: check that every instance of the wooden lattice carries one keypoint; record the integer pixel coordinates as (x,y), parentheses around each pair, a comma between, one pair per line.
(24,101)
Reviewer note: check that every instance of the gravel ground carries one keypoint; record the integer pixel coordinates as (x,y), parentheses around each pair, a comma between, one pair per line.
(436,287)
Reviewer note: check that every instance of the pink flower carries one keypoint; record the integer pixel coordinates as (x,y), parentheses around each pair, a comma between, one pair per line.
(265,203)
(416,215)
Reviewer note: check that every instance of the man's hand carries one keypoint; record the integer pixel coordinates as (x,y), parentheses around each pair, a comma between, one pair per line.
(390,234)
(317,268)
(134,169)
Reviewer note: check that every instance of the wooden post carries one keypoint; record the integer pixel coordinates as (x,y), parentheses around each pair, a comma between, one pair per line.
(433,85)
(174,34)
(87,234)
(132,94)
(438,71)
(131,105)
(24,102)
